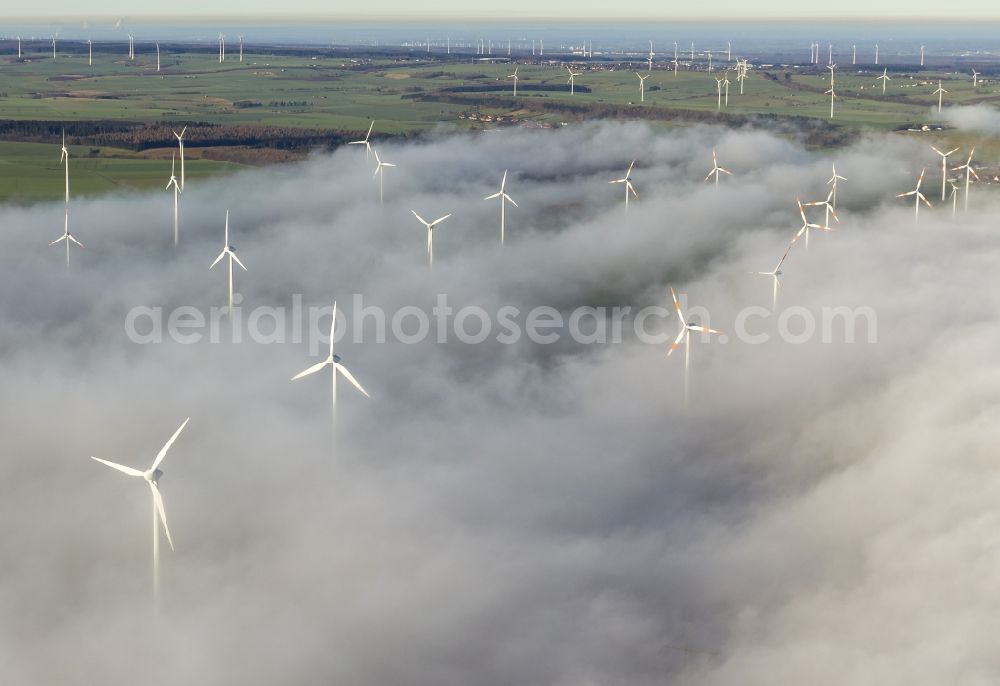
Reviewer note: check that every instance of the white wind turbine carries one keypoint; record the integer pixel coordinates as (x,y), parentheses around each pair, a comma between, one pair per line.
(514,76)
(227,251)
(884,79)
(833,183)
(241,47)
(67,237)
(716,169)
(725,84)
(921,55)
(131,47)
(649,60)
(90,53)
(940,93)
(177,193)
(430,234)
(954,197)
(944,168)
(335,367)
(876,53)
(628,184)
(572,83)
(180,143)
(854,54)
(365,142)
(152,477)
(18,47)
(918,197)
(806,224)
(969,173)
(685,337)
(776,272)
(975,79)
(718,84)
(64,160)
(642,86)
(380,167)
(833,95)
(53,48)
(504,199)
(829,209)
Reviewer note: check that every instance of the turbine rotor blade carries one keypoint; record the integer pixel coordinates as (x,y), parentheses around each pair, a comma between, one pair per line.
(312,370)
(347,375)
(120,467)
(158,500)
(166,446)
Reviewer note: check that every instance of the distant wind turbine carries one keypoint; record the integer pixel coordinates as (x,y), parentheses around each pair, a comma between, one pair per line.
(940,93)
(430,234)
(90,53)
(776,272)
(572,76)
(954,197)
(918,197)
(716,169)
(67,237)
(642,86)
(944,168)
(833,94)
(180,143)
(504,199)
(975,79)
(829,208)
(685,337)
(514,76)
(628,184)
(157,56)
(64,160)
(228,251)
(152,477)
(969,173)
(718,84)
(884,79)
(365,141)
(833,182)
(649,60)
(335,367)
(177,193)
(806,224)
(380,168)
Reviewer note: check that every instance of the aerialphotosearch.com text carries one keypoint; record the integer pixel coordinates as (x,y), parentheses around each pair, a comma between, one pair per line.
(473,324)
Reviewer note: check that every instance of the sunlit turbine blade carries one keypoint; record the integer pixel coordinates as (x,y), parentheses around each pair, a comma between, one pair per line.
(158,500)
(74,240)
(238,260)
(703,329)
(677,306)
(166,446)
(440,219)
(419,218)
(495,195)
(312,370)
(120,467)
(347,375)
(217,259)
(677,341)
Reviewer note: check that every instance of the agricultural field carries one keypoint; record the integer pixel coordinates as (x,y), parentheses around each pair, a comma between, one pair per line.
(335,97)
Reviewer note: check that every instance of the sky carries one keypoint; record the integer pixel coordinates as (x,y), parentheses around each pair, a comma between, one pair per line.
(896,10)
(822,512)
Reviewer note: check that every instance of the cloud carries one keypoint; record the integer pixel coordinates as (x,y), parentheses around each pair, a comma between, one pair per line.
(510,514)
(983,119)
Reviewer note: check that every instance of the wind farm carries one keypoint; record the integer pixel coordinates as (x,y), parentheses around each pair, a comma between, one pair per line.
(675,441)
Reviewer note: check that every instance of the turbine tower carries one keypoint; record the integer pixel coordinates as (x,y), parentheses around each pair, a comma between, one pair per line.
(380,167)
(177,193)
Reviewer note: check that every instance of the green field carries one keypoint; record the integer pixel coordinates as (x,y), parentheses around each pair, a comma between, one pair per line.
(404,95)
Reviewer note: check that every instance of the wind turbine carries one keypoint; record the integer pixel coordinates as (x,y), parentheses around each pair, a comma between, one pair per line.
(152,477)
(716,169)
(90,53)
(940,93)
(776,272)
(944,168)
(177,193)
(718,84)
(833,95)
(649,60)
(969,173)
(628,184)
(157,56)
(514,76)
(572,76)
(380,172)
(222,48)
(685,336)
(921,55)
(131,48)
(829,208)
(53,48)
(876,54)
(884,79)
(430,234)
(806,225)
(64,159)
(854,54)
(917,197)
(335,367)
(180,143)
(975,79)
(67,237)
(833,182)
(227,251)
(709,61)
(364,141)
(18,47)
(725,83)
(954,197)
(241,48)
(642,86)
(504,199)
